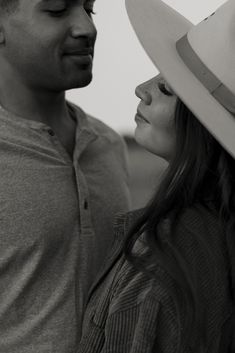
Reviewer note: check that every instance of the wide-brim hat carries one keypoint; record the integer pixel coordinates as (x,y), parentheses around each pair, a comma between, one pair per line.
(198,61)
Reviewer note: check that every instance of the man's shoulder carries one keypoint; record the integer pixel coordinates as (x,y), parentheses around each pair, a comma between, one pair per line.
(98,126)
(103,129)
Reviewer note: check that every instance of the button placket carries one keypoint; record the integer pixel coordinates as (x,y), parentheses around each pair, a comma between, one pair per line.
(85,204)
(85,215)
(58,145)
(51,132)
(83,138)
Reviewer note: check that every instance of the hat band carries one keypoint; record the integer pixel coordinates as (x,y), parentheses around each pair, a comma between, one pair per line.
(216,88)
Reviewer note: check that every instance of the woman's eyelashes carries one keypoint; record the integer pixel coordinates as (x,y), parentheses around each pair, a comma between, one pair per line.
(89,7)
(162,87)
(90,12)
(57,13)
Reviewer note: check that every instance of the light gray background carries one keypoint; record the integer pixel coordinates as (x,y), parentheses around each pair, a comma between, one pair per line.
(121,64)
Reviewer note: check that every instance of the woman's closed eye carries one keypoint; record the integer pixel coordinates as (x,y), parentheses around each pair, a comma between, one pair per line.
(162,87)
(57,12)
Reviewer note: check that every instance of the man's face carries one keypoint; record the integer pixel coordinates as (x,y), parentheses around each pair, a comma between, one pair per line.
(49,44)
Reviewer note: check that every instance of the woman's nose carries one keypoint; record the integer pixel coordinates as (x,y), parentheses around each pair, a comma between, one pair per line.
(143,94)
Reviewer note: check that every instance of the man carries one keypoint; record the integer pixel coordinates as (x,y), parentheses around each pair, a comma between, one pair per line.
(63,175)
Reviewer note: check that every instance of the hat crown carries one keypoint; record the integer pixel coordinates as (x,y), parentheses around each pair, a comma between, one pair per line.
(213,40)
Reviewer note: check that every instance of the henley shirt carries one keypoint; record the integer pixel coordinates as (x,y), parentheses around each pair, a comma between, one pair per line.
(56,218)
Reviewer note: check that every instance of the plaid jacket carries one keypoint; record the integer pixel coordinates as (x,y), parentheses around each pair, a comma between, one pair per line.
(127,312)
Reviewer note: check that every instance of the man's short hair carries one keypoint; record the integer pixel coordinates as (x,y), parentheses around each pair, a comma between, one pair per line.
(8,6)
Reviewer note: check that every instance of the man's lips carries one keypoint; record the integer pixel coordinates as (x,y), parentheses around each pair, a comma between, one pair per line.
(80,52)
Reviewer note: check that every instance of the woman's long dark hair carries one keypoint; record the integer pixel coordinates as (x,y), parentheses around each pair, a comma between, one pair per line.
(199,170)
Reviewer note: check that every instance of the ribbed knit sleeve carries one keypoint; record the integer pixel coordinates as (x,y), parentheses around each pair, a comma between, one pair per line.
(141,328)
(140,314)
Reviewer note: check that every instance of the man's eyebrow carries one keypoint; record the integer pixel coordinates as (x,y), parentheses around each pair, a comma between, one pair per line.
(47,1)
(43,2)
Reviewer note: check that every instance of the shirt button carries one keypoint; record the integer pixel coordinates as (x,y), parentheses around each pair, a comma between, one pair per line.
(51,132)
(85,205)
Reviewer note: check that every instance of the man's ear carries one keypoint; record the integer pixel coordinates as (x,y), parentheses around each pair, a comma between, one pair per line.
(2,35)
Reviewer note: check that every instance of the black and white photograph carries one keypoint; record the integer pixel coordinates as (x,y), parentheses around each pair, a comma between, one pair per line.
(117,176)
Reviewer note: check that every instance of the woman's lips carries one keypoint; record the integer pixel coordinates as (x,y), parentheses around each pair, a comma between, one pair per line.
(140,117)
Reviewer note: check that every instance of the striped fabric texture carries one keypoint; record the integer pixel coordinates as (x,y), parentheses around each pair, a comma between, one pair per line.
(128,312)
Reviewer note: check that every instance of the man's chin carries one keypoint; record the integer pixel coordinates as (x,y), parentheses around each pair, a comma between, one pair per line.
(81,81)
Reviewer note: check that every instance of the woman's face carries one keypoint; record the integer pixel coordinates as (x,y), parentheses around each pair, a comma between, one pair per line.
(155,129)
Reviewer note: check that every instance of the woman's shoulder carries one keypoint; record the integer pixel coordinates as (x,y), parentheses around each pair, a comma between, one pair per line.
(198,229)
(200,214)
(199,238)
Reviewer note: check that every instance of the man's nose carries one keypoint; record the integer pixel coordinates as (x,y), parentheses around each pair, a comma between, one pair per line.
(82,25)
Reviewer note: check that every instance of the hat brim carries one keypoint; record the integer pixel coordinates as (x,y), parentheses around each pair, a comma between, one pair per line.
(158,28)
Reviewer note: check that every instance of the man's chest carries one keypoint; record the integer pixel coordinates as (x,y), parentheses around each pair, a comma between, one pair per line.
(37,202)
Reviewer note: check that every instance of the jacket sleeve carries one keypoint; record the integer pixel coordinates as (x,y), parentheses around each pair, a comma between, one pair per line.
(146,327)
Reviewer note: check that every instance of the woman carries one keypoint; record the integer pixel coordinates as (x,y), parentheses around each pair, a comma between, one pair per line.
(172,290)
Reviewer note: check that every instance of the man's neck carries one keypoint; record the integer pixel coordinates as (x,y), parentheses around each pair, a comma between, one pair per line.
(45,107)
(50,109)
